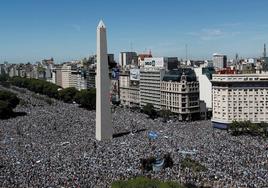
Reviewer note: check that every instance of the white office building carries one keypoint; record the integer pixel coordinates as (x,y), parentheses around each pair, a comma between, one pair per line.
(150,79)
(205,86)
(239,97)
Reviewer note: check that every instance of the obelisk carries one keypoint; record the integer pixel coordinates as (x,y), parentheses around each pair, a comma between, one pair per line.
(104,128)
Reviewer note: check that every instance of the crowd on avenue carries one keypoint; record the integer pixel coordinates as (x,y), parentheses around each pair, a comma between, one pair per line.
(54,145)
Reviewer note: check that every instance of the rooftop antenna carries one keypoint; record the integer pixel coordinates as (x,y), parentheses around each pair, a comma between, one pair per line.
(131,47)
(186,52)
(264,50)
(236,58)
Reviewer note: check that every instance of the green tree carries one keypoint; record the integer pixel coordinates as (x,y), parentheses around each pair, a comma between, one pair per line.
(5,109)
(149,110)
(142,182)
(195,166)
(68,94)
(51,90)
(3,77)
(252,128)
(234,126)
(86,98)
(9,97)
(165,114)
(264,128)
(8,101)
(37,86)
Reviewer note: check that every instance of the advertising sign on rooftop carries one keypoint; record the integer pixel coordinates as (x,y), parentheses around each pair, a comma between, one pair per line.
(154,62)
(134,74)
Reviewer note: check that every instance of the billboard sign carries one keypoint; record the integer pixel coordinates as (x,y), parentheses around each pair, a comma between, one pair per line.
(114,91)
(135,74)
(115,73)
(154,62)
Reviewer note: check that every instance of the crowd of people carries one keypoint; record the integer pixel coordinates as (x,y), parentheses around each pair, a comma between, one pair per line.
(54,145)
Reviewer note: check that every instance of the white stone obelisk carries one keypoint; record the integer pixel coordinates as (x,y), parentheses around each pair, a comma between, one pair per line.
(104,128)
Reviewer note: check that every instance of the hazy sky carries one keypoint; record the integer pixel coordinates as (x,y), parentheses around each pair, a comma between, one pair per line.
(31,30)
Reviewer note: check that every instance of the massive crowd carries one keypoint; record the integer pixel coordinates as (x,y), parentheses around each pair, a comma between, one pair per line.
(54,146)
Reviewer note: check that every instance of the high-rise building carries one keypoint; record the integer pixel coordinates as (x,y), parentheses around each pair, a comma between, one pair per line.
(91,78)
(128,58)
(104,128)
(58,75)
(124,81)
(68,76)
(129,87)
(239,97)
(219,61)
(150,79)
(81,80)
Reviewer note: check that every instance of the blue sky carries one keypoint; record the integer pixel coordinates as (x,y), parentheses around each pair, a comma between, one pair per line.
(31,30)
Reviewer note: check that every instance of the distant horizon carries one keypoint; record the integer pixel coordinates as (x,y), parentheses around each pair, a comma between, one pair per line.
(66,30)
(117,61)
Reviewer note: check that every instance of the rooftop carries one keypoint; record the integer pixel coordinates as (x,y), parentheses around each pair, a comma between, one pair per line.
(175,75)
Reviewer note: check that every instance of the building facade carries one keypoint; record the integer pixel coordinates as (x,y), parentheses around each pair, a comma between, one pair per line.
(219,61)
(128,58)
(204,76)
(129,87)
(124,88)
(66,76)
(239,97)
(180,94)
(150,79)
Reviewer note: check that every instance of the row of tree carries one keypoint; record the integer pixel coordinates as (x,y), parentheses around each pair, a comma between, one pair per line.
(86,98)
(247,127)
(8,101)
(36,85)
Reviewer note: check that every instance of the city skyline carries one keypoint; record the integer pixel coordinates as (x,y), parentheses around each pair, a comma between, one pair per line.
(33,30)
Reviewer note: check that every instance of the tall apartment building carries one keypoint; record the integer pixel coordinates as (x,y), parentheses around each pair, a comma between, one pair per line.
(128,58)
(124,87)
(81,80)
(239,97)
(150,79)
(134,87)
(219,61)
(180,93)
(58,75)
(91,77)
(129,87)
(66,76)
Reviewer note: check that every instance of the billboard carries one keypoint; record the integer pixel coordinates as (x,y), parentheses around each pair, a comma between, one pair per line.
(115,73)
(114,91)
(135,74)
(154,62)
